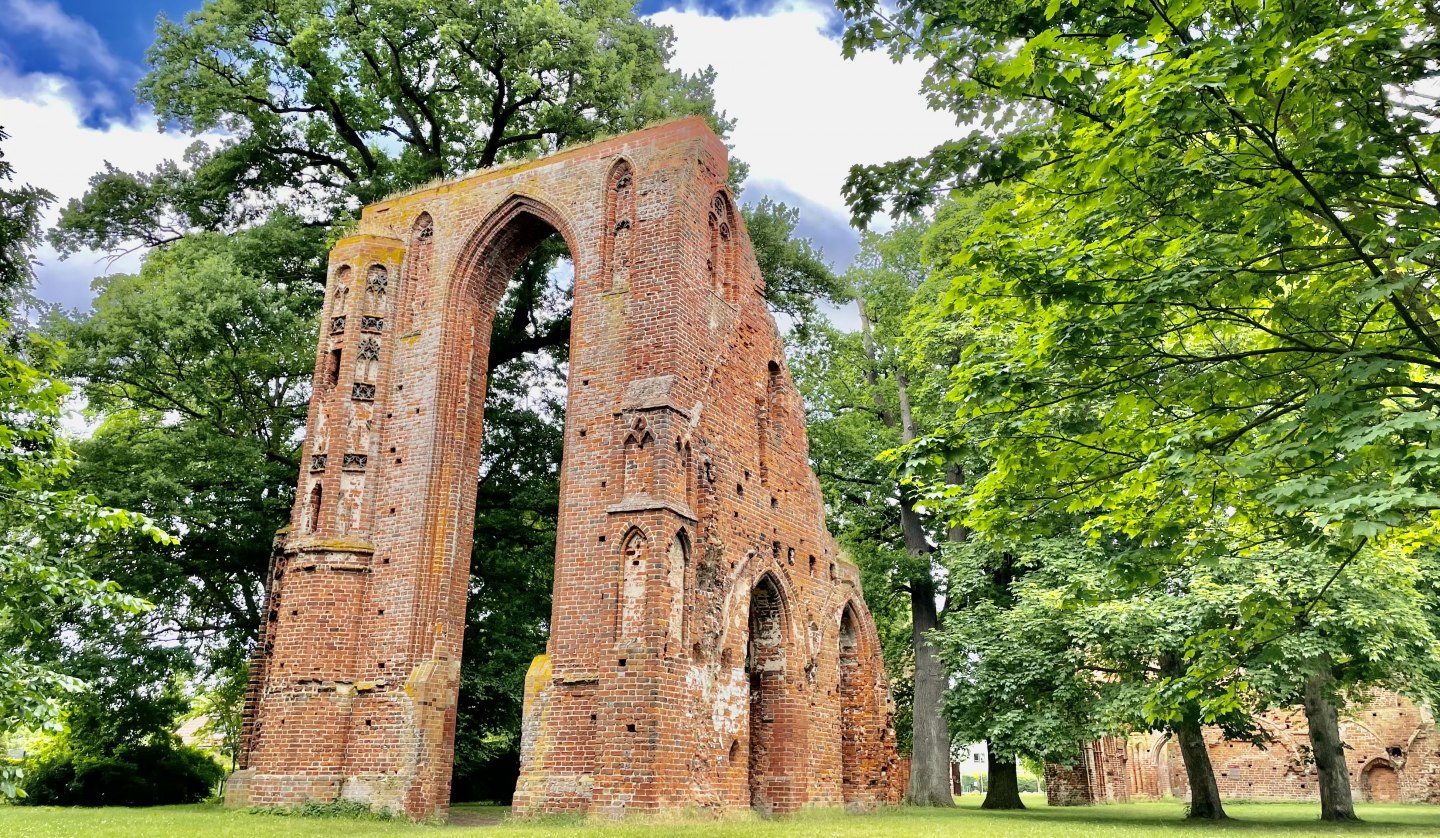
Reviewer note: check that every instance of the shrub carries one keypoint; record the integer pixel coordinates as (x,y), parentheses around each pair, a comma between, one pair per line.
(133,775)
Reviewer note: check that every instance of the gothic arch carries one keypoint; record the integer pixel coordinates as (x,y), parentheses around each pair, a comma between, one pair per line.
(771,710)
(501,242)
(414,291)
(721,262)
(1380,781)
(671,360)
(620,219)
(634,572)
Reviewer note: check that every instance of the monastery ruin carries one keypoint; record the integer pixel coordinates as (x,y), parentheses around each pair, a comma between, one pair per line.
(709,645)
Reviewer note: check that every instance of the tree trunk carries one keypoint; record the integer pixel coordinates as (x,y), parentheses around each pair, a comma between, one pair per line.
(1204,791)
(1336,802)
(1004,783)
(930,732)
(930,754)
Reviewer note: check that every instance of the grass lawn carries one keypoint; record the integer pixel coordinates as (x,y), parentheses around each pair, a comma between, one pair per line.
(1134,819)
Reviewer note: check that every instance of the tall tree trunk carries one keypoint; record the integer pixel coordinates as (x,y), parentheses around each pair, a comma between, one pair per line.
(930,753)
(930,732)
(1204,791)
(1004,783)
(1336,801)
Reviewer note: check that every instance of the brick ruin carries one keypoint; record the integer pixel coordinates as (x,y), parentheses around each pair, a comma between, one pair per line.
(1392,749)
(709,645)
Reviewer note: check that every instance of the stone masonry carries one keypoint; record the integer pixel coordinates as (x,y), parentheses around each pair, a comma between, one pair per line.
(709,645)
(1392,748)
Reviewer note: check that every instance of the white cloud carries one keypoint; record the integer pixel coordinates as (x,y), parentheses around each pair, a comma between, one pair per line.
(805,114)
(51,147)
(76,44)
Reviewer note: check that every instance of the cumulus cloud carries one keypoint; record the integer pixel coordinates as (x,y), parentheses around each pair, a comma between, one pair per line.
(805,114)
(99,80)
(76,44)
(53,147)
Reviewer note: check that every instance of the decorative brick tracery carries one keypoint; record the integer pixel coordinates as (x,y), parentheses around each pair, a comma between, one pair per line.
(693,661)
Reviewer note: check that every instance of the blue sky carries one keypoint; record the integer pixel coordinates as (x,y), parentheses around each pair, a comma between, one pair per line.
(41,37)
(68,68)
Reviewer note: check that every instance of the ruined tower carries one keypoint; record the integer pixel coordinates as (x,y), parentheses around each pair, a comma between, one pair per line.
(709,646)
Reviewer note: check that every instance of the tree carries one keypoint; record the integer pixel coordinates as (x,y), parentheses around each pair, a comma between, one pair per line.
(20,209)
(1205,320)
(201,365)
(1209,223)
(1018,680)
(796,274)
(859,393)
(48,534)
(337,104)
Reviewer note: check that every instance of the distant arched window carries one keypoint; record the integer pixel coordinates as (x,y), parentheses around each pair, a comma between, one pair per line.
(339,300)
(310,516)
(852,708)
(676,575)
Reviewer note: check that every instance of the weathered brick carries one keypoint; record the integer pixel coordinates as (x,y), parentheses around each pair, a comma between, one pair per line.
(1392,749)
(709,644)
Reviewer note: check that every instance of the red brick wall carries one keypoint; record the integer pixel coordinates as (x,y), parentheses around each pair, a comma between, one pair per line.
(1393,754)
(685,489)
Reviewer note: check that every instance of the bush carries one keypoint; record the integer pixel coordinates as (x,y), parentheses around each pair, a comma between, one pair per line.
(134,775)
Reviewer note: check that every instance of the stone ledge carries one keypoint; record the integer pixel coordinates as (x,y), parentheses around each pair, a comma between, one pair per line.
(645,504)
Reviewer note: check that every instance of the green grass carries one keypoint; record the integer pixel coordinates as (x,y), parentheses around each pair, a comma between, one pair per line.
(1135,819)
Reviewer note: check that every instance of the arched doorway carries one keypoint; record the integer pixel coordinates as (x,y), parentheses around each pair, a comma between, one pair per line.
(1380,782)
(516,514)
(765,670)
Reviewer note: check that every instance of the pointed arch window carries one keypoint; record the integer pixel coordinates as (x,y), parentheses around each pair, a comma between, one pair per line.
(639,459)
(632,586)
(377,288)
(418,263)
(719,263)
(619,224)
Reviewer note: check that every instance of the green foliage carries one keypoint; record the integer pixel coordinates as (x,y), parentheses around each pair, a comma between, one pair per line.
(20,210)
(159,774)
(332,103)
(341,809)
(855,385)
(1199,323)
(220,705)
(201,366)
(1020,678)
(1217,255)
(796,275)
(50,536)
